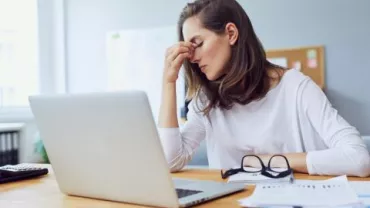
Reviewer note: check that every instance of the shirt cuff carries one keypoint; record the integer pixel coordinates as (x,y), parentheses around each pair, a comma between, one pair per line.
(310,168)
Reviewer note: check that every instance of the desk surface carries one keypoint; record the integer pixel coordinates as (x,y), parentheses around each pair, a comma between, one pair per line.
(44,192)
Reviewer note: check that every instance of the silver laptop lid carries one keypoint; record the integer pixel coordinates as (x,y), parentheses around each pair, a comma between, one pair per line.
(105,145)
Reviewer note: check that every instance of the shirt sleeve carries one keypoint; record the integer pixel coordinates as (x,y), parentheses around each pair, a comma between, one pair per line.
(347,153)
(179,144)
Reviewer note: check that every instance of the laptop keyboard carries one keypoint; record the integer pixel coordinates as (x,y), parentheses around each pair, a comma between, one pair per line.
(185,192)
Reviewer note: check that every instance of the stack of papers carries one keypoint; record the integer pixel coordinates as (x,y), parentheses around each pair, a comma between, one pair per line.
(362,189)
(337,192)
(257,178)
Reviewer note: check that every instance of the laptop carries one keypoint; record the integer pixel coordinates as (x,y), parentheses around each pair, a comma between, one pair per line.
(105,145)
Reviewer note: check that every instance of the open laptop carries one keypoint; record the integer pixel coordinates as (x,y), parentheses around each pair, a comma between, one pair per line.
(106,146)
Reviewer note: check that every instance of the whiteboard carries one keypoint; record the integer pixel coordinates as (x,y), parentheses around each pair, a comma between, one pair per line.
(136,61)
(283,62)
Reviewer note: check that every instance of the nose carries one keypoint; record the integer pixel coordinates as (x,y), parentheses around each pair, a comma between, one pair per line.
(196,57)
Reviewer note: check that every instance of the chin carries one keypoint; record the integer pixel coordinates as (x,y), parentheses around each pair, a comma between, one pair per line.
(213,77)
(210,78)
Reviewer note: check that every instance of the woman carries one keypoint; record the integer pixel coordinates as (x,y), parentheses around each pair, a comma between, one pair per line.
(243,104)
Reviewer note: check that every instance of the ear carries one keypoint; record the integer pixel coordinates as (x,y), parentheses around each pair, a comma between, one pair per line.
(232,33)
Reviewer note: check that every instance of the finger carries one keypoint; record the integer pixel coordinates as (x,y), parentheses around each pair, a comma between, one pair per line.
(187,44)
(178,51)
(180,44)
(179,60)
(168,51)
(195,45)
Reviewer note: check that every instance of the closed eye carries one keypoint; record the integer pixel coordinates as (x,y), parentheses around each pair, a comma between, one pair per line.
(199,44)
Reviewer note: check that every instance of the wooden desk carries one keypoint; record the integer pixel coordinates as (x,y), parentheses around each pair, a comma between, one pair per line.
(44,192)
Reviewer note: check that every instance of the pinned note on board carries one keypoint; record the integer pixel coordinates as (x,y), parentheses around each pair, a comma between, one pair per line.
(312,63)
(312,59)
(311,54)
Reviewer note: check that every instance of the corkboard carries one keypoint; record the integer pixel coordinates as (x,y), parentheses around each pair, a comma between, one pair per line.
(310,60)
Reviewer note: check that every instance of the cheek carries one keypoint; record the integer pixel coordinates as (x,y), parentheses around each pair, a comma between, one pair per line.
(217,54)
(211,49)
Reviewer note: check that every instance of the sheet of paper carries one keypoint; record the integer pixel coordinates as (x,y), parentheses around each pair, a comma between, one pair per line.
(257,177)
(279,61)
(362,189)
(135,62)
(304,193)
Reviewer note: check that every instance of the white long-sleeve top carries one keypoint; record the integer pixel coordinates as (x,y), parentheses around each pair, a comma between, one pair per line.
(295,116)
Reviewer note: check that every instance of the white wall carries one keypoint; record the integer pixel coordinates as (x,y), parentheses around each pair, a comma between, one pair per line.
(89,21)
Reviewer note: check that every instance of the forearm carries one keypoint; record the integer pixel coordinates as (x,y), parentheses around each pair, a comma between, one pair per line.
(347,160)
(297,161)
(167,122)
(168,112)
(336,161)
(175,151)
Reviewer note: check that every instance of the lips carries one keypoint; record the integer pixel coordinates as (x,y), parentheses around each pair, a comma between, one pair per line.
(202,68)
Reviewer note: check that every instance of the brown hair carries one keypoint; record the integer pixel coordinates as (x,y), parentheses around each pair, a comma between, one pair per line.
(246,78)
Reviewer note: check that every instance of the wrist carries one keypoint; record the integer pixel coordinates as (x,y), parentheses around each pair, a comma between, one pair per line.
(168,84)
(275,162)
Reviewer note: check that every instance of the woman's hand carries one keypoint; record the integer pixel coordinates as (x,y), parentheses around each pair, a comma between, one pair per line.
(175,57)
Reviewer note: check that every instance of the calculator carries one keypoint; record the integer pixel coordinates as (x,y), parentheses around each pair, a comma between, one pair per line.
(10,173)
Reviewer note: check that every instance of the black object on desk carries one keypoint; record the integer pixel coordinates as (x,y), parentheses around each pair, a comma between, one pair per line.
(9,148)
(10,173)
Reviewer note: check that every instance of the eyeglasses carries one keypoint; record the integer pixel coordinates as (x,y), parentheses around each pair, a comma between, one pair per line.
(268,171)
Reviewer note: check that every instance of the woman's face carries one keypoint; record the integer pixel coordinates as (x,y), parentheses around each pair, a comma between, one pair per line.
(213,51)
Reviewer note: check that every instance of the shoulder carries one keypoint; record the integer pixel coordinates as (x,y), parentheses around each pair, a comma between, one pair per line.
(294,78)
(295,82)
(306,93)
(298,87)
